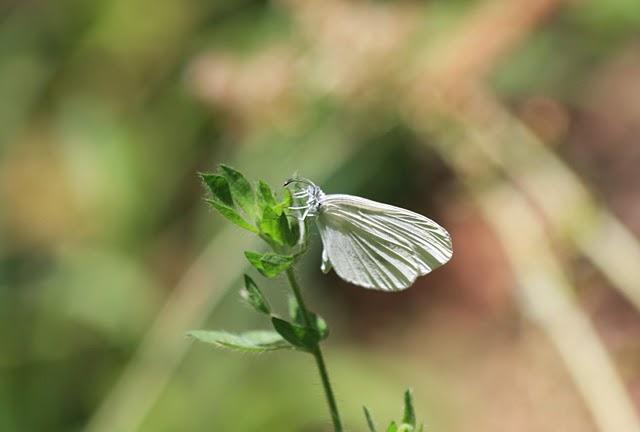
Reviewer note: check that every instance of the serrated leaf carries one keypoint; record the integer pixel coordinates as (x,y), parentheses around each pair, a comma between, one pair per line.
(219,188)
(241,190)
(287,201)
(270,226)
(269,264)
(252,341)
(393,427)
(288,230)
(254,297)
(301,337)
(231,214)
(370,423)
(409,416)
(265,196)
(317,322)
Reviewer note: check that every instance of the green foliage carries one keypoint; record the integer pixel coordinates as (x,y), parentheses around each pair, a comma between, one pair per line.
(269,226)
(269,264)
(408,423)
(257,211)
(409,416)
(219,188)
(370,423)
(235,198)
(232,215)
(224,198)
(318,324)
(288,230)
(265,196)
(252,295)
(256,341)
(274,225)
(241,190)
(287,201)
(301,337)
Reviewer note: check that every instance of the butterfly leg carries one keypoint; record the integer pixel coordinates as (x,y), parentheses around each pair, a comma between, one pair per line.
(301,224)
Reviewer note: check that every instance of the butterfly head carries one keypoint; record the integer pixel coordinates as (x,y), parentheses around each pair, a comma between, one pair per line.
(306,197)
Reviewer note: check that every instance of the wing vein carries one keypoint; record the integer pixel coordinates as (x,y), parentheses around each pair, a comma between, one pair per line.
(377,245)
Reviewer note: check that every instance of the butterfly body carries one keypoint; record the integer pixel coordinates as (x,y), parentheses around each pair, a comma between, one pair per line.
(371,244)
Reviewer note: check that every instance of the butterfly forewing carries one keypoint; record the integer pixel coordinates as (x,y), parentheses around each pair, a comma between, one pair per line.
(379,246)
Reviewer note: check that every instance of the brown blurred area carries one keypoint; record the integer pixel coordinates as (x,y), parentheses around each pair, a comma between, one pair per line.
(513,123)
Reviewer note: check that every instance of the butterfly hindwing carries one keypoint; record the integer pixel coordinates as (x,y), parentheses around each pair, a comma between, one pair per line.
(379,246)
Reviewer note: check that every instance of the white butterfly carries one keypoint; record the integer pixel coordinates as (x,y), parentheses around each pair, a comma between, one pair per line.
(371,244)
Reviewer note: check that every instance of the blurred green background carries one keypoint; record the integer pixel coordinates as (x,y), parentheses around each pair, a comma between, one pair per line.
(512,123)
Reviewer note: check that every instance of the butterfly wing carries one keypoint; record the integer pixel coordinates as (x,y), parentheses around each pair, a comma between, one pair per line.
(377,245)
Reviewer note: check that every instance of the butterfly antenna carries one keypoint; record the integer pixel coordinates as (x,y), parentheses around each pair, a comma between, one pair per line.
(298,180)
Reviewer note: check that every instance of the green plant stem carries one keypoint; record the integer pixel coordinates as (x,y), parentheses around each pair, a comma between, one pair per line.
(317,354)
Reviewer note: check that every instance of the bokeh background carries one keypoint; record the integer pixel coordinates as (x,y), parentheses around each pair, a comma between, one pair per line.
(513,123)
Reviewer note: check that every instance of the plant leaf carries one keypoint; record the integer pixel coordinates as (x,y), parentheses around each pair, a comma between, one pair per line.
(318,324)
(252,295)
(265,196)
(287,201)
(241,190)
(409,416)
(392,427)
(404,427)
(370,423)
(231,214)
(288,230)
(269,264)
(252,341)
(270,226)
(301,337)
(219,188)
